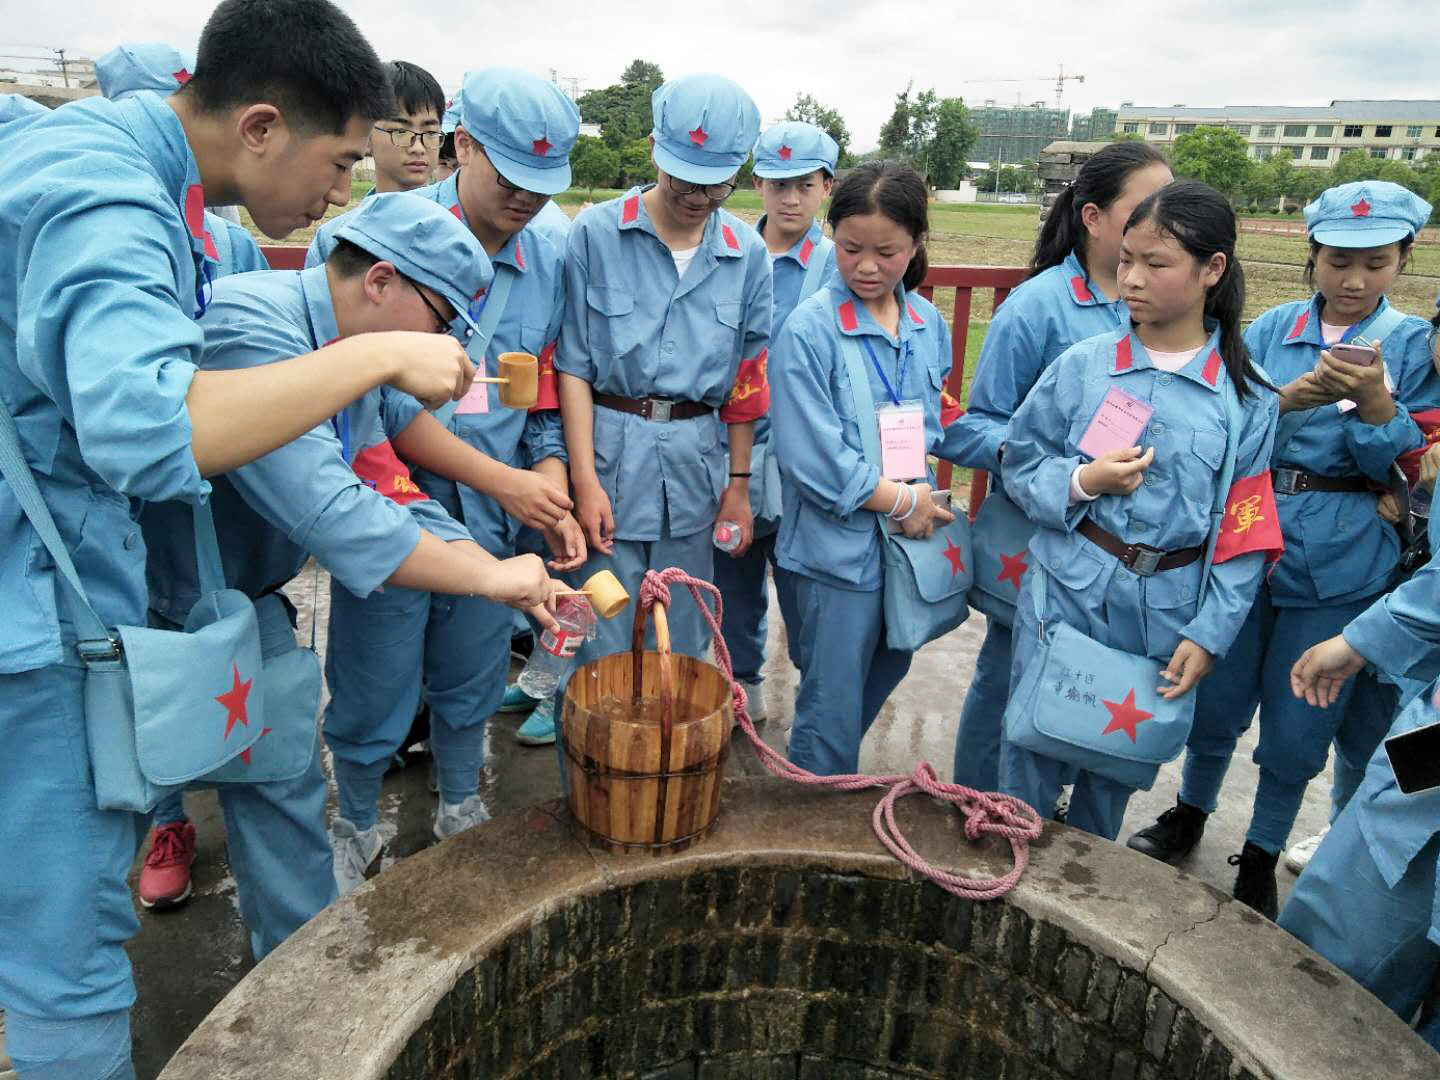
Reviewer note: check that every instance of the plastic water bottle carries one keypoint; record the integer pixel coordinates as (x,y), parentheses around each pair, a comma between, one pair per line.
(553,658)
(727,535)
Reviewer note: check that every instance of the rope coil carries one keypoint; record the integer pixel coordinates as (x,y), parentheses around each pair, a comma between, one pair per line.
(985,813)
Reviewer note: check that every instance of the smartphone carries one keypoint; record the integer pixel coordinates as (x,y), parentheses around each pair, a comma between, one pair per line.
(1415,757)
(939,498)
(1364,355)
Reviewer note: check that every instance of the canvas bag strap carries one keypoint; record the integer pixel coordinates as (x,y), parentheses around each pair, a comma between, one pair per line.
(96,642)
(815,272)
(495,304)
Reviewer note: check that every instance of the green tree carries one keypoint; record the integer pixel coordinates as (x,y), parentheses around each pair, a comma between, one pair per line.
(636,165)
(896,131)
(955,136)
(1216,156)
(1351,166)
(828,120)
(924,112)
(594,164)
(623,110)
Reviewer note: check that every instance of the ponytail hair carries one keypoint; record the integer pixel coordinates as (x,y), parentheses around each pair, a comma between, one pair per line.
(896,190)
(1202,222)
(1101,181)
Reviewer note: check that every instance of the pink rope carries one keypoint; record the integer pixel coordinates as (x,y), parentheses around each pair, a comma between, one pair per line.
(986,814)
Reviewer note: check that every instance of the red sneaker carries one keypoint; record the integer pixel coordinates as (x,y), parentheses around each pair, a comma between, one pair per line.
(165,877)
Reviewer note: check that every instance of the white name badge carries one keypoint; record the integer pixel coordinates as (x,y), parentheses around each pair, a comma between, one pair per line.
(476,400)
(902,440)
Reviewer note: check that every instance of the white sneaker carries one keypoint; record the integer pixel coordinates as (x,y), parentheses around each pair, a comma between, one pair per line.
(1297,856)
(354,852)
(755,693)
(451,820)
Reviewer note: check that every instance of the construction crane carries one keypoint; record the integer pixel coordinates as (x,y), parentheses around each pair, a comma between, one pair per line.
(1060,80)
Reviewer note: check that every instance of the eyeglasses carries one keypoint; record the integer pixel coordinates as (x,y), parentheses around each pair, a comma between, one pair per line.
(713,192)
(442,324)
(508,186)
(404,138)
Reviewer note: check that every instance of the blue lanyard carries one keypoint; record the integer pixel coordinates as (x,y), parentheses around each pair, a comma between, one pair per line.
(904,363)
(204,286)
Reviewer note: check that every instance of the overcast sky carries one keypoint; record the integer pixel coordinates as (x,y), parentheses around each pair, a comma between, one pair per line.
(855,56)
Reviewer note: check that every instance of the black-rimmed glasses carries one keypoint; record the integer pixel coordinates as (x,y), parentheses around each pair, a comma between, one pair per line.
(404,138)
(442,324)
(517,189)
(713,192)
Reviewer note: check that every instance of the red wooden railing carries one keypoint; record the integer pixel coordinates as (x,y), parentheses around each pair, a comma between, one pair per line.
(963,279)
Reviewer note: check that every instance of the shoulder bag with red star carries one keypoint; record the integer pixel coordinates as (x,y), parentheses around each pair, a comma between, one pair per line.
(1097,707)
(1001,534)
(162,707)
(926,581)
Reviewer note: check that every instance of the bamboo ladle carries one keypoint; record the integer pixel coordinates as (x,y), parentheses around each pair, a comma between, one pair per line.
(607,596)
(519,380)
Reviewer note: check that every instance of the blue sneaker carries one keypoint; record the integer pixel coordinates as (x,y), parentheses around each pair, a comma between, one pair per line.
(516,700)
(539,726)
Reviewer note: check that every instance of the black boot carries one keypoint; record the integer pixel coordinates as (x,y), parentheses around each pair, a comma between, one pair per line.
(1173,836)
(1255,880)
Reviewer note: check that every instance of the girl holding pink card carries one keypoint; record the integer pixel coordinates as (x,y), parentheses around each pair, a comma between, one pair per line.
(1118,456)
(835,496)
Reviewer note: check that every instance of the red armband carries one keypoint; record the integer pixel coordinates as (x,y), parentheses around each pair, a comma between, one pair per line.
(950,409)
(1428,421)
(1251,521)
(750,398)
(547,390)
(381,469)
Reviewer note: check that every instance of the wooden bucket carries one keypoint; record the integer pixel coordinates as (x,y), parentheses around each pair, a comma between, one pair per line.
(646,783)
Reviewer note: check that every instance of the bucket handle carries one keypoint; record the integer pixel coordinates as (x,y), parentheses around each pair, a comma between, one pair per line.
(667,667)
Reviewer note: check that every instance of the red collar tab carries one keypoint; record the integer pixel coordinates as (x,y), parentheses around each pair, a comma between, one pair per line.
(459,214)
(784,153)
(182,76)
(848,321)
(541,146)
(519,255)
(631,210)
(699,135)
(806,250)
(195,219)
(1360,209)
(1299,327)
(1082,292)
(914,315)
(1123,358)
(1212,367)
(731,241)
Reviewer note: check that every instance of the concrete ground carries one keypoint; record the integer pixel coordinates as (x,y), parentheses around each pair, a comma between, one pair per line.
(186,960)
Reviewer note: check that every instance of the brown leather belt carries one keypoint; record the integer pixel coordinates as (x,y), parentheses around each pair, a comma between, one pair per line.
(1291,481)
(659,409)
(1140,558)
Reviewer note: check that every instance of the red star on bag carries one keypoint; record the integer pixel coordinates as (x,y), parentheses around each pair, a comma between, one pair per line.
(1361,208)
(1012,568)
(234,701)
(245,754)
(1124,716)
(955,556)
(698,136)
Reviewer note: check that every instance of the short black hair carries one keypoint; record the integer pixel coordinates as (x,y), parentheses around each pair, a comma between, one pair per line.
(892,188)
(306,57)
(447,147)
(414,88)
(350,260)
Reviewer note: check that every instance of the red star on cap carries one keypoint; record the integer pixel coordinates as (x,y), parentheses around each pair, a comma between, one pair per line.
(955,555)
(1124,716)
(698,136)
(234,702)
(1012,568)
(182,76)
(541,146)
(785,153)
(1361,208)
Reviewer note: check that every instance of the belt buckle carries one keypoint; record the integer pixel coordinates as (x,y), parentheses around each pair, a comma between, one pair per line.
(1146,561)
(658,409)
(1287,481)
(99,650)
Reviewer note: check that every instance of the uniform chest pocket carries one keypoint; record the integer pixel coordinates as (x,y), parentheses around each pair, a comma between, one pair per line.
(1209,447)
(612,333)
(729,312)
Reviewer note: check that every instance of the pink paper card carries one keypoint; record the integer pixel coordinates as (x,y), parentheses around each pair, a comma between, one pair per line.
(476,399)
(902,440)
(1116,425)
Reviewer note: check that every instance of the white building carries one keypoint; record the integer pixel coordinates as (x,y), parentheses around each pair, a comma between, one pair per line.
(1314,136)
